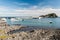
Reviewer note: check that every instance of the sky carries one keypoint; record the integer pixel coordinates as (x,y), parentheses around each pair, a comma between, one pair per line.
(29,7)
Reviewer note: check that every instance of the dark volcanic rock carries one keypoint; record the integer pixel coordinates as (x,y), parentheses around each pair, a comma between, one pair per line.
(51,15)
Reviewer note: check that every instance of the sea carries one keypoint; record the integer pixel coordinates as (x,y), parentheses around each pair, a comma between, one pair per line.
(43,22)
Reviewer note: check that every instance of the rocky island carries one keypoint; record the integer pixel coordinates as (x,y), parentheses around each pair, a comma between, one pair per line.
(51,15)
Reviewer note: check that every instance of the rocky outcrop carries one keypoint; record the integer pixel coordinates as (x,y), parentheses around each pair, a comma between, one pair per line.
(51,15)
(41,34)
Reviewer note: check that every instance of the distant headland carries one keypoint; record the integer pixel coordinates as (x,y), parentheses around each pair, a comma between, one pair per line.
(51,15)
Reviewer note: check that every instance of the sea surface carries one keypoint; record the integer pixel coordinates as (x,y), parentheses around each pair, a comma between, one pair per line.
(43,22)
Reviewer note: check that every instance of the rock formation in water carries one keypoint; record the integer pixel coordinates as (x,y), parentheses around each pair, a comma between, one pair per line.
(51,15)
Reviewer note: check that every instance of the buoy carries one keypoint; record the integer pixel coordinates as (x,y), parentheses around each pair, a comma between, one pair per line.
(50,22)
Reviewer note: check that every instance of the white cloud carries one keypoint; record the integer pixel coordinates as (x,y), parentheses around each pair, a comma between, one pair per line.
(37,12)
(4,11)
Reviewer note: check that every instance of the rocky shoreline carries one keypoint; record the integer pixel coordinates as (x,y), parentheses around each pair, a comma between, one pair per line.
(19,33)
(36,34)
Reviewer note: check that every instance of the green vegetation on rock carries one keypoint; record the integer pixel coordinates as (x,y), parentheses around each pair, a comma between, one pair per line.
(51,15)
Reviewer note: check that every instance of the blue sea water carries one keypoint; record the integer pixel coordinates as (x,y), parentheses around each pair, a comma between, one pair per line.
(43,22)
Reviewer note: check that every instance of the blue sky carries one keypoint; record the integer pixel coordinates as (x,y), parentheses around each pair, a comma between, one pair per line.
(10,6)
(28,3)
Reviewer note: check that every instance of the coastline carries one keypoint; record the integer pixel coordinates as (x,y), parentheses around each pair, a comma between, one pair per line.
(33,34)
